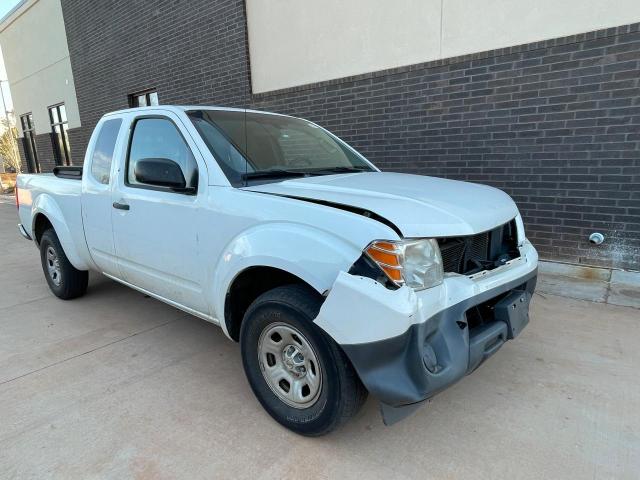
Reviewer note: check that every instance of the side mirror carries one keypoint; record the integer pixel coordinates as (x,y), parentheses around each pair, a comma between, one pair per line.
(160,172)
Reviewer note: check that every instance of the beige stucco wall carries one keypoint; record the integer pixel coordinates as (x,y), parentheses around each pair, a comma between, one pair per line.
(295,42)
(36,57)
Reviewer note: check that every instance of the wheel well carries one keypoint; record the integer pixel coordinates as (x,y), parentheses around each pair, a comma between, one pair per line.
(246,287)
(40,225)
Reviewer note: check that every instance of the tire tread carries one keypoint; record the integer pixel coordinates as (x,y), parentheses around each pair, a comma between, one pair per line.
(305,300)
(74,281)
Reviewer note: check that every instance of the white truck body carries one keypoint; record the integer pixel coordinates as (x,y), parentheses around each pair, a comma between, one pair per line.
(188,249)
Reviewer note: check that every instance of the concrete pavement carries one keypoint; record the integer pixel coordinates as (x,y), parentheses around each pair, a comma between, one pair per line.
(617,287)
(115,385)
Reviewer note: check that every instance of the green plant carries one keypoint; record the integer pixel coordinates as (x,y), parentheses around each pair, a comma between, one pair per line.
(9,146)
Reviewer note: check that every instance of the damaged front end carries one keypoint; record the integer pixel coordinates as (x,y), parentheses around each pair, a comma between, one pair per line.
(408,345)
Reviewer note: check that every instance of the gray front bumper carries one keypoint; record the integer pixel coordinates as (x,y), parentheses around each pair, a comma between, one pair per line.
(404,371)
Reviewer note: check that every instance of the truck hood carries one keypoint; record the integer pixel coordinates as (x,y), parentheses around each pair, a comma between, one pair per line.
(418,206)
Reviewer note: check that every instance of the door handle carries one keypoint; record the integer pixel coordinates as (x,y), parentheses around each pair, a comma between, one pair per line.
(120,206)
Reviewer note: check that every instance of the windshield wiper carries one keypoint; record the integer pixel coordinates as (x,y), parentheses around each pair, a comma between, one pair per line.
(330,170)
(283,173)
(274,173)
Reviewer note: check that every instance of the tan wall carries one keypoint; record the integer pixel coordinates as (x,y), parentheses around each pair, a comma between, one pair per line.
(295,42)
(36,56)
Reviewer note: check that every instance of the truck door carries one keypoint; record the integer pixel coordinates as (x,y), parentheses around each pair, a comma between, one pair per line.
(156,227)
(97,182)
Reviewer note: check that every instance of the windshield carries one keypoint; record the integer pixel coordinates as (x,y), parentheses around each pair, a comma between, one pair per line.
(253,146)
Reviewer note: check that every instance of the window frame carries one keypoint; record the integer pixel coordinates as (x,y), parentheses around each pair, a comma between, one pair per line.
(65,155)
(31,131)
(144,186)
(143,93)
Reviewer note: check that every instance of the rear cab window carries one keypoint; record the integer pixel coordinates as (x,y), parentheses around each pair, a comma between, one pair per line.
(103,151)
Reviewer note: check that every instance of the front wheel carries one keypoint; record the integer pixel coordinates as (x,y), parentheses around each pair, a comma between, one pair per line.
(300,375)
(65,281)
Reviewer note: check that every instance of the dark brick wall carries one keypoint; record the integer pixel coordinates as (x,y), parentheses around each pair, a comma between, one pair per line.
(78,140)
(46,152)
(192,52)
(556,124)
(23,158)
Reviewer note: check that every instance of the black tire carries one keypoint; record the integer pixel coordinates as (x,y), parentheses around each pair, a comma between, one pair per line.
(341,393)
(67,282)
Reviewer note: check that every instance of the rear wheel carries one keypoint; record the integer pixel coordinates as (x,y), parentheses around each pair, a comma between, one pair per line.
(65,281)
(300,375)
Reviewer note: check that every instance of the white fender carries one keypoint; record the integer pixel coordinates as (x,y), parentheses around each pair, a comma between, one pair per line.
(311,254)
(46,205)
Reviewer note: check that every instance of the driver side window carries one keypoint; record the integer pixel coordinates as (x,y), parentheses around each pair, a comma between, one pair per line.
(159,138)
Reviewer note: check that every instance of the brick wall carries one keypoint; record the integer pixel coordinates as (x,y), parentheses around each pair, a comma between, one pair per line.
(46,152)
(556,124)
(23,158)
(78,140)
(191,52)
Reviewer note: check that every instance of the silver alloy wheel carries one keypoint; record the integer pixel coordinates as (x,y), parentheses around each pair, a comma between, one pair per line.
(53,266)
(289,365)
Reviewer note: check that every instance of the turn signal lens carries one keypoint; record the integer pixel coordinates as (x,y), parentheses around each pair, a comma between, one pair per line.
(391,247)
(384,257)
(416,263)
(393,274)
(387,256)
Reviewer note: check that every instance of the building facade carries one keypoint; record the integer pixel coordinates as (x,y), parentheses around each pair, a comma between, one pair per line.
(542,101)
(36,57)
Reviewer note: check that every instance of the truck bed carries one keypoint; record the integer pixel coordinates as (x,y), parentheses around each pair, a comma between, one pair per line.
(60,198)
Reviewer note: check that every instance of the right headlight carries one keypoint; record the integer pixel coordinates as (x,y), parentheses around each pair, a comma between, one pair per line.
(415,263)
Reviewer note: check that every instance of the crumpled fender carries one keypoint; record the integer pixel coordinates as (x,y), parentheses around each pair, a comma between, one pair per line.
(359,310)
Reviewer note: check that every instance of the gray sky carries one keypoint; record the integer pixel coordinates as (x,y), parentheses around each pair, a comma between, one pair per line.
(5,85)
(6,5)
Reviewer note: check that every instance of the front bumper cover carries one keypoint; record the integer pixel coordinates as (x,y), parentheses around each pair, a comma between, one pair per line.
(405,370)
(407,346)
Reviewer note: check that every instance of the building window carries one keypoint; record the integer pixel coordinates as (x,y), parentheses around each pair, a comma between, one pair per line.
(147,98)
(59,127)
(29,142)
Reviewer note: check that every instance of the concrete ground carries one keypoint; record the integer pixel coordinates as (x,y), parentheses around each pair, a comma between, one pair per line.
(115,385)
(602,285)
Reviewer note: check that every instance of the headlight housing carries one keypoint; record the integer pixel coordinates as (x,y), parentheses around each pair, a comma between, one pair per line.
(415,263)
(520,230)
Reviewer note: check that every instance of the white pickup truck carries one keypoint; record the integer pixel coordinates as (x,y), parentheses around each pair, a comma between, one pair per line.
(337,279)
